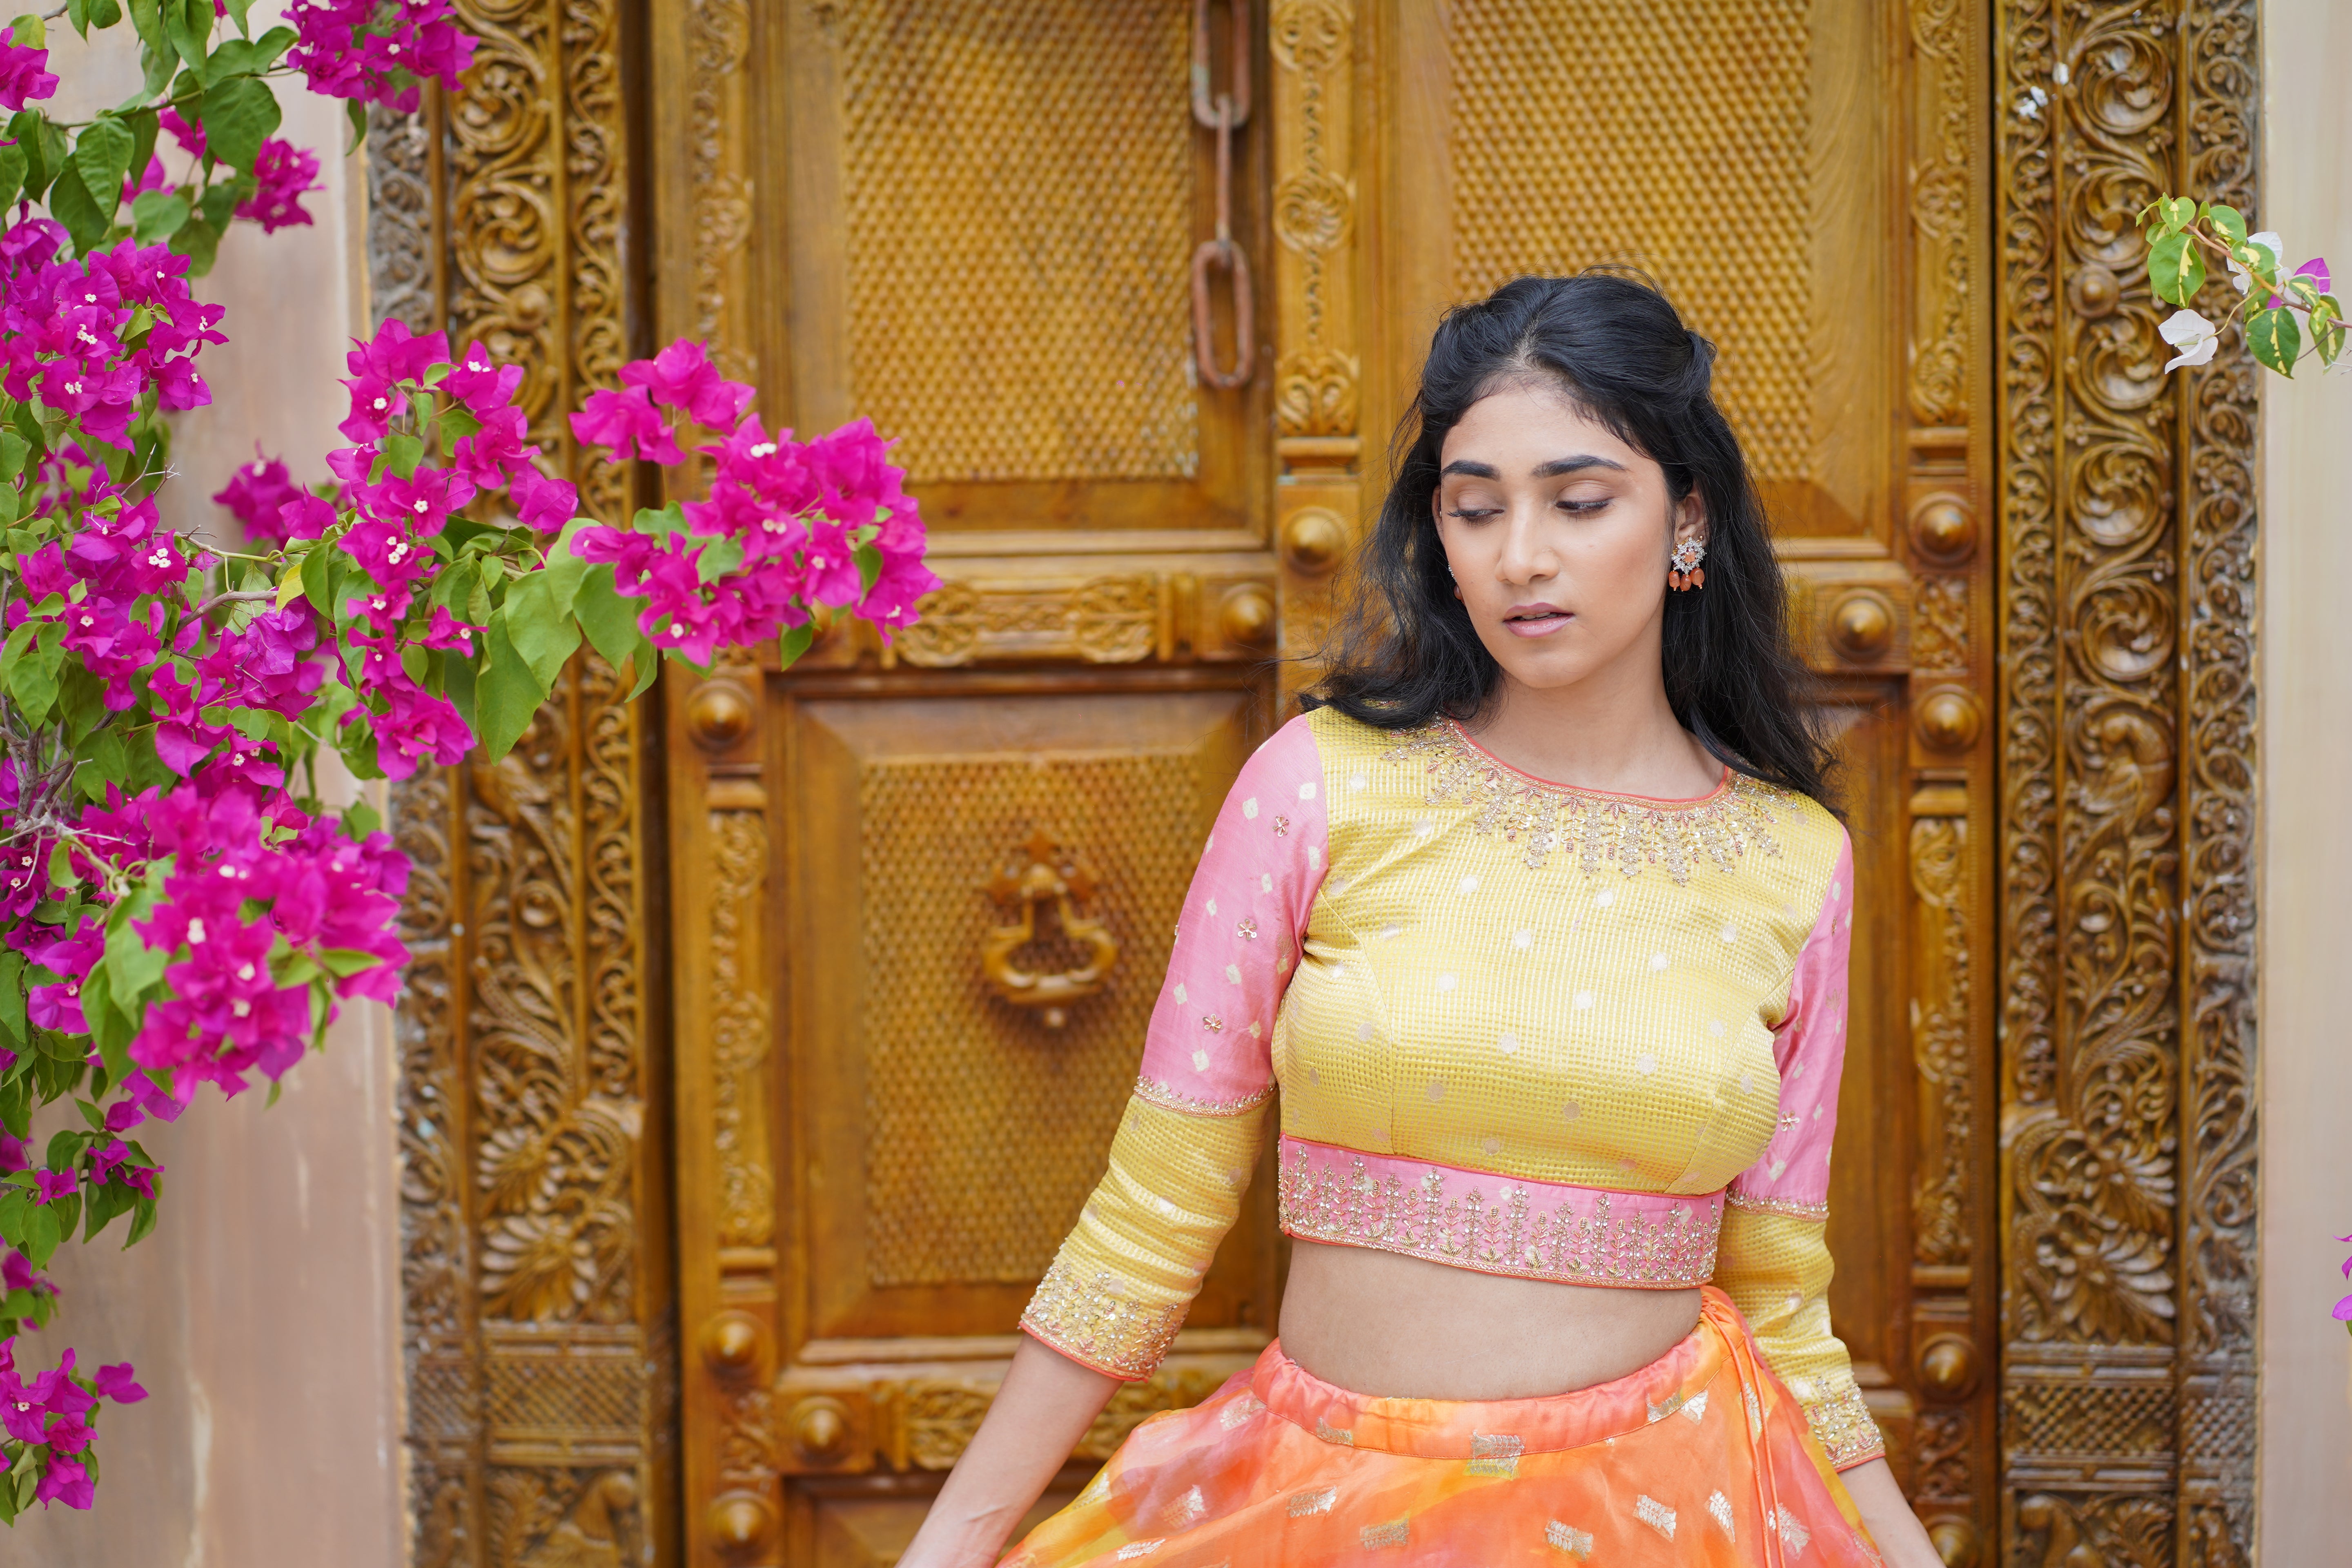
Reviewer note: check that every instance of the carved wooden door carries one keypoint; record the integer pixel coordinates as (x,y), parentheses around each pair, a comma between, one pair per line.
(976,224)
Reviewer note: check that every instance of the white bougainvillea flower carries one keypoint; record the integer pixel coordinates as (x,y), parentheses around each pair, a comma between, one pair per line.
(2193,335)
(2240,277)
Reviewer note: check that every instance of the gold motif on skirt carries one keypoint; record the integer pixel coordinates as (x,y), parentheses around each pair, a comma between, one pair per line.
(1393,1533)
(1624,831)
(1318,1501)
(1330,1433)
(1506,1237)
(1654,1514)
(1568,1537)
(1495,1454)
(1718,1508)
(1792,1533)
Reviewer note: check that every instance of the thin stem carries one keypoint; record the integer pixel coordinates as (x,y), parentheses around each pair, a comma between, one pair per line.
(242,597)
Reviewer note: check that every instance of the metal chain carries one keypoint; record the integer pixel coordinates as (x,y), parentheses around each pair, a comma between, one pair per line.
(1225,114)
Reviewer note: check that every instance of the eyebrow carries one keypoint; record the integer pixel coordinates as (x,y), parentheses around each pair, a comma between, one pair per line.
(1550,470)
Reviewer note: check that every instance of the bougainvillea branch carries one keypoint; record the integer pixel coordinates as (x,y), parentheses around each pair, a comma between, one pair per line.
(2287,315)
(182,900)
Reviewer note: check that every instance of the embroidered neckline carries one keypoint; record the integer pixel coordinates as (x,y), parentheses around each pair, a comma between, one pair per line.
(1624,830)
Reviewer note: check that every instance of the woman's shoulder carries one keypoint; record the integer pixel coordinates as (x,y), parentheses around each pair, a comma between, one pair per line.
(1803,841)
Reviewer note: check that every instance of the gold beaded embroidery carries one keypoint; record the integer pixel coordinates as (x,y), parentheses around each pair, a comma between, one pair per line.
(1395,1532)
(1623,830)
(1318,1204)
(1167,1099)
(1842,1424)
(1097,1324)
(1790,1208)
(1495,1454)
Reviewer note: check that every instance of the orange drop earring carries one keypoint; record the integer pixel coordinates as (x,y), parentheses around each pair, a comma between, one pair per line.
(1683,572)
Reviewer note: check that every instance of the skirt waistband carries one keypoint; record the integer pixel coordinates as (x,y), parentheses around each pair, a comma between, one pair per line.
(1498,1429)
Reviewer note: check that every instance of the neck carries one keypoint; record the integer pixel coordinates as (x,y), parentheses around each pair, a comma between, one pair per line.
(1611,731)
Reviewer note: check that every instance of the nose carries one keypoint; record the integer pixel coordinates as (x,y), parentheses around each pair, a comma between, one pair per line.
(1527,556)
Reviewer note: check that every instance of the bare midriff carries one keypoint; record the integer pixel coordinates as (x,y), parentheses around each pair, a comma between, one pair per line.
(1393,1327)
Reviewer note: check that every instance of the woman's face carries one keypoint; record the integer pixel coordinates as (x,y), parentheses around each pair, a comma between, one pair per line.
(1558,534)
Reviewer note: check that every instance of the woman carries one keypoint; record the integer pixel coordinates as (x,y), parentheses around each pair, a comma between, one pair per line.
(1559,1060)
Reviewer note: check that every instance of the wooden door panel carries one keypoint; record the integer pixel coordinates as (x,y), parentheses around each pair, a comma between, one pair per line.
(952,1136)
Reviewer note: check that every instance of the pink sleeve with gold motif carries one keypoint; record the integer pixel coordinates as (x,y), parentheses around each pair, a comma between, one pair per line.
(1810,1049)
(1209,1048)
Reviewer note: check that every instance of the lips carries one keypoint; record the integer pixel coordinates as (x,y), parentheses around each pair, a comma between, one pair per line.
(1535,620)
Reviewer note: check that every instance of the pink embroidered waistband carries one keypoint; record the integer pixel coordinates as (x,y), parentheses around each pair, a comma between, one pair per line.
(1498,1225)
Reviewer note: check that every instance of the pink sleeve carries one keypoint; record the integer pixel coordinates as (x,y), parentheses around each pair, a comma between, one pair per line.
(1209,1046)
(1793,1173)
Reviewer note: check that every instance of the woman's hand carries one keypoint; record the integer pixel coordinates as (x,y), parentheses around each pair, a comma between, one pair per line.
(1047,1403)
(1901,1539)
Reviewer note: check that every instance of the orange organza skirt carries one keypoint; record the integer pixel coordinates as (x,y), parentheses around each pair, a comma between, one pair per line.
(1701,1458)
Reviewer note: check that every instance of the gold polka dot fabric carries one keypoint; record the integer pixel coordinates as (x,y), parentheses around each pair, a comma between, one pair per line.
(1531,995)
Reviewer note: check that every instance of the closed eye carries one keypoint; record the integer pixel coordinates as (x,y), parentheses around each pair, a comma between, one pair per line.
(1473,514)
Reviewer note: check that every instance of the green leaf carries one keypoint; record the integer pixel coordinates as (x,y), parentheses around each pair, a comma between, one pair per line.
(403,453)
(158,215)
(11,995)
(869,566)
(538,627)
(2327,329)
(795,642)
(143,125)
(609,619)
(25,128)
(361,819)
(71,204)
(12,173)
(198,241)
(133,964)
(143,1217)
(13,450)
(81,698)
(219,202)
(2176,213)
(564,570)
(78,16)
(2275,338)
(41,1235)
(33,681)
(237,114)
(343,963)
(238,56)
(189,24)
(102,154)
(29,32)
(357,112)
(2227,221)
(236,12)
(104,12)
(2175,270)
(507,696)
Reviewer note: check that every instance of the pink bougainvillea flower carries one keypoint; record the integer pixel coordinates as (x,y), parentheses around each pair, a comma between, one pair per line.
(115,1383)
(191,138)
(285,172)
(682,376)
(376,402)
(24,74)
(446,631)
(480,383)
(65,1481)
(396,353)
(258,494)
(154,179)
(542,503)
(629,423)
(502,446)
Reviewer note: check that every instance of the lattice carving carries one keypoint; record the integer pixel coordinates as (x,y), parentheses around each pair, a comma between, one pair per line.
(1941,1043)
(1646,111)
(499,212)
(946,1063)
(739,1029)
(2126,862)
(1015,315)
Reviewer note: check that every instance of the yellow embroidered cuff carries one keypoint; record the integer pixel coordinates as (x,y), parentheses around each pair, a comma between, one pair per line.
(1093,1322)
(1119,1287)
(1842,1424)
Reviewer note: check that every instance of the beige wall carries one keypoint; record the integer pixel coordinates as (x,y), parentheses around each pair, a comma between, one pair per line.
(263,1314)
(2306,896)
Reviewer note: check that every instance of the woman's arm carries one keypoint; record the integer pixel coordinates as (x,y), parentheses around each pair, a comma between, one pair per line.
(1047,1403)
(1892,1524)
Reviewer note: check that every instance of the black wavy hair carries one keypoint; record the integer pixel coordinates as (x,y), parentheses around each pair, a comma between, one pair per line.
(1404,650)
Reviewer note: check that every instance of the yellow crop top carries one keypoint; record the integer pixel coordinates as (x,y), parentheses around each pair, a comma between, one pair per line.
(1517,1027)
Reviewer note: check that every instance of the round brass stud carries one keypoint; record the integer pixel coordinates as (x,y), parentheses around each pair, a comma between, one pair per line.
(1948,721)
(1944,530)
(820,1430)
(1313,540)
(1947,1366)
(1954,1541)
(731,1342)
(719,715)
(1246,616)
(2094,291)
(740,1521)
(1862,626)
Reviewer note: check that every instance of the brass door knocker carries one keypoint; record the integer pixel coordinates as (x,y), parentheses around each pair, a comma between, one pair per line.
(1040,873)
